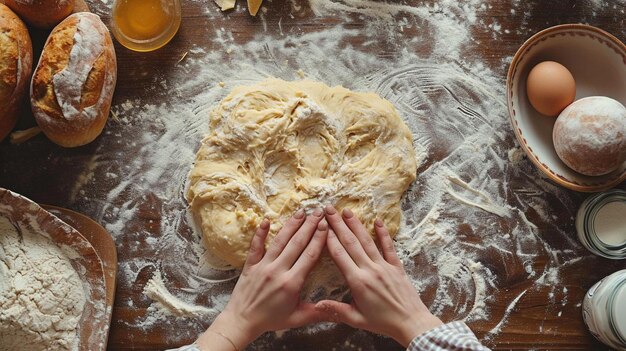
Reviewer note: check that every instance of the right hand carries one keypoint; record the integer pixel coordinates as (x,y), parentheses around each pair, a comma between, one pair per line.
(384,300)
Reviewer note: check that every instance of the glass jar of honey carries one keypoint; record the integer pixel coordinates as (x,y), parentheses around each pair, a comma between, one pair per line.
(145,25)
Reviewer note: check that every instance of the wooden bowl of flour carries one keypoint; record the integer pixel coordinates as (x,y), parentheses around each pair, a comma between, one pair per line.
(597,60)
(27,216)
(102,243)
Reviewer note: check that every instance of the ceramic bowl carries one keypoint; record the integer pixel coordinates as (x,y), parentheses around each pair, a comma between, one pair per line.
(597,60)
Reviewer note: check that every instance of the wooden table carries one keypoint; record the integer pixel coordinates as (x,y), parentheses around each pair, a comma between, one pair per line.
(49,174)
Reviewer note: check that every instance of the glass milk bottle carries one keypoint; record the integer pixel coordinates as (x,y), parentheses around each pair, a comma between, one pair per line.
(604,310)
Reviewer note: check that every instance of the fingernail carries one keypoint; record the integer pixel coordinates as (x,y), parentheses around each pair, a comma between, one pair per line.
(378,222)
(299,214)
(330,210)
(322,226)
(347,213)
(317,212)
(323,307)
(265,223)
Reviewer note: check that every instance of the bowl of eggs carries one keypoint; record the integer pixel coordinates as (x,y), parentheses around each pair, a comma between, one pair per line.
(566,91)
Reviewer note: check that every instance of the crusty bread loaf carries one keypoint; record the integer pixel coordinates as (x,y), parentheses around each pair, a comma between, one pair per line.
(42,13)
(73,83)
(16,60)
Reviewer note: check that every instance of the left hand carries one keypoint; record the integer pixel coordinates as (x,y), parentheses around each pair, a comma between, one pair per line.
(267,294)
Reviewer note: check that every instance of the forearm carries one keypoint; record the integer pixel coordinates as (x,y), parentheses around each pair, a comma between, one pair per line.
(225,334)
(211,341)
(413,327)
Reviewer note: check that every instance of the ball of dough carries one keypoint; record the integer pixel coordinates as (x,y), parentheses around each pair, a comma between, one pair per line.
(590,135)
(278,146)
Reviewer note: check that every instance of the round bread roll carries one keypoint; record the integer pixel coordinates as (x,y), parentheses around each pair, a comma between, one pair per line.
(16,61)
(73,83)
(590,135)
(42,13)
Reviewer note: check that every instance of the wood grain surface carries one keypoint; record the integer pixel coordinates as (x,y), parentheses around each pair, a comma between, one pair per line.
(48,174)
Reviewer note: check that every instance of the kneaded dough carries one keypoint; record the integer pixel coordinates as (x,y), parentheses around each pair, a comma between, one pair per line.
(278,146)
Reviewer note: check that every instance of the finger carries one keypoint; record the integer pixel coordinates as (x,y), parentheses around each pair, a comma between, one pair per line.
(386,244)
(311,254)
(284,235)
(362,234)
(306,313)
(300,240)
(257,245)
(339,254)
(349,241)
(335,311)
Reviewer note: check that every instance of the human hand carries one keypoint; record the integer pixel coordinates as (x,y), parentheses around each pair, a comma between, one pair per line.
(384,301)
(267,294)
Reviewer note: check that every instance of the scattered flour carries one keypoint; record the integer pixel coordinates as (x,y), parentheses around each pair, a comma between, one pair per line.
(470,219)
(516,155)
(619,5)
(168,304)
(507,312)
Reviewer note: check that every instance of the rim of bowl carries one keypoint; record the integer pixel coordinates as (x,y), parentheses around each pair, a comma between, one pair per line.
(529,43)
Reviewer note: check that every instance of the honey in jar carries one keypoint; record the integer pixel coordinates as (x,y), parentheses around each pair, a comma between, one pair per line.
(145,25)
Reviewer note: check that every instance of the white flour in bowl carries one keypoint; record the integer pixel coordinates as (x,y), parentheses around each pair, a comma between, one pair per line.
(41,295)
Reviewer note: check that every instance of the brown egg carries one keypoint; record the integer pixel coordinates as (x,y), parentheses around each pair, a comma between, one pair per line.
(550,88)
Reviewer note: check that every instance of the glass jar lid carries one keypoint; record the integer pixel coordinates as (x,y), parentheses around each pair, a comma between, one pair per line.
(601,224)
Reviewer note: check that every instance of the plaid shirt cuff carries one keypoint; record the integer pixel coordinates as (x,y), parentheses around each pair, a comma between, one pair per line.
(192,347)
(454,336)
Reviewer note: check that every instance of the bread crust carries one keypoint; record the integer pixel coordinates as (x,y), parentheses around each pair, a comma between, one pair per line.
(73,84)
(16,60)
(42,13)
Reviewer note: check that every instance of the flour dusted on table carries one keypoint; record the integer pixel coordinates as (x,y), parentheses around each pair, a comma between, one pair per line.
(166,303)
(41,295)
(470,221)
